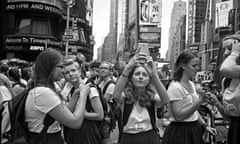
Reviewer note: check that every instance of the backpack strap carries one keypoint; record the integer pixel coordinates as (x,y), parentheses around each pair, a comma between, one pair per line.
(48,120)
(127,109)
(151,111)
(106,86)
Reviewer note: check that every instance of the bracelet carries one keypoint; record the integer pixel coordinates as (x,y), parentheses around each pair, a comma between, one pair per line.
(124,75)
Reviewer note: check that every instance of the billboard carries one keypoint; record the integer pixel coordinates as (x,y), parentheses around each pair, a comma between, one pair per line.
(222,10)
(150,12)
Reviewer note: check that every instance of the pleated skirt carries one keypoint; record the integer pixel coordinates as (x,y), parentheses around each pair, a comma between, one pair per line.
(234,131)
(149,137)
(183,133)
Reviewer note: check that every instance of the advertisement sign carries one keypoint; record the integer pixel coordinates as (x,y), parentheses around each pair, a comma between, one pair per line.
(33,6)
(222,10)
(33,43)
(149,37)
(56,3)
(150,12)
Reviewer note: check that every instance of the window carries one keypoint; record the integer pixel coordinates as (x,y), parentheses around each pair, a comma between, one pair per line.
(34,26)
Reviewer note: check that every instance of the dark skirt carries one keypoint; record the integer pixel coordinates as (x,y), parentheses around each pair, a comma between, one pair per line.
(234,131)
(183,133)
(88,134)
(149,137)
(53,138)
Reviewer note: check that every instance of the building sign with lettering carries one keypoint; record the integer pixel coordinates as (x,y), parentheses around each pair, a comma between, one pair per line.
(18,43)
(56,3)
(33,6)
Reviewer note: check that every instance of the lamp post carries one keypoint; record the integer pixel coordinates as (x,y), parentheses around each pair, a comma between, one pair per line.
(69,3)
(67,28)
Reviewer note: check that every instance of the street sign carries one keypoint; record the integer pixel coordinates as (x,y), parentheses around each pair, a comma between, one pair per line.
(67,37)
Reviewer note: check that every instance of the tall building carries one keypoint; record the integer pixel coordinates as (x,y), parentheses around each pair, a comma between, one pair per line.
(30,26)
(121,24)
(110,43)
(236,6)
(178,12)
(196,16)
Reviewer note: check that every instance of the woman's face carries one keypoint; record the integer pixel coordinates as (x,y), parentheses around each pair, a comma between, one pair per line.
(192,67)
(140,77)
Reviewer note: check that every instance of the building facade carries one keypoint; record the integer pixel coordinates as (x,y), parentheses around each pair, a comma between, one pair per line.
(196,16)
(177,15)
(30,26)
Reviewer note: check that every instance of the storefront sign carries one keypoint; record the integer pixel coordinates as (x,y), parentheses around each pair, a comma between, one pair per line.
(36,43)
(32,6)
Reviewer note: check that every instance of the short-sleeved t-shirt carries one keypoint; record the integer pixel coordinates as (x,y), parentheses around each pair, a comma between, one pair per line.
(5,96)
(109,89)
(93,93)
(177,92)
(39,102)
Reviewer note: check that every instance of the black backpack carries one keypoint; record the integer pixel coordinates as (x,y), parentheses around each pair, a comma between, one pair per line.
(19,128)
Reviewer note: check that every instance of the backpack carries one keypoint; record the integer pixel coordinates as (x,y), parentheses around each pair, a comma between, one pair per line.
(19,126)
(111,112)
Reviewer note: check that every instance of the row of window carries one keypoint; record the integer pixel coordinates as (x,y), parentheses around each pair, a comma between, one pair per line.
(33,25)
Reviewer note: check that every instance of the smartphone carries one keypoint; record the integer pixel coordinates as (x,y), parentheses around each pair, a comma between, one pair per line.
(142,58)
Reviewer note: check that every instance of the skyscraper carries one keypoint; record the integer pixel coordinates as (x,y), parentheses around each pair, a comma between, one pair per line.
(110,42)
(196,15)
(178,12)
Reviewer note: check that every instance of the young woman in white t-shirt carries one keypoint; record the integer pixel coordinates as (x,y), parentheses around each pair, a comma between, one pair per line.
(136,91)
(186,125)
(42,100)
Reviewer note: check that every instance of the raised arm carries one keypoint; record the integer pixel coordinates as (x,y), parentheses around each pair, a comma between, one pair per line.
(122,81)
(230,68)
(162,93)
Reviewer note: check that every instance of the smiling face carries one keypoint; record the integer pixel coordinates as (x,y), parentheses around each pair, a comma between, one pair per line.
(192,67)
(140,77)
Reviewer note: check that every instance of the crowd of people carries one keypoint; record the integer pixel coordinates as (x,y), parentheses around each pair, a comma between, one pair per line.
(88,101)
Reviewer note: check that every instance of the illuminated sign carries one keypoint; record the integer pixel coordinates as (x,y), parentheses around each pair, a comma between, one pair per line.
(36,48)
(150,12)
(55,3)
(33,6)
(35,43)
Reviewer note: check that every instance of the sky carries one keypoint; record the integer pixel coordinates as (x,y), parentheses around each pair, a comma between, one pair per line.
(101,13)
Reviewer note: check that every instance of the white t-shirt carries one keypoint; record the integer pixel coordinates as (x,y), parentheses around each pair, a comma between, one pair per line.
(5,96)
(93,93)
(138,121)
(39,102)
(109,89)
(177,92)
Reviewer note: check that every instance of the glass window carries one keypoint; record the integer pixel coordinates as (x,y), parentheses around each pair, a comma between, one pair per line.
(40,27)
(24,26)
(34,26)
